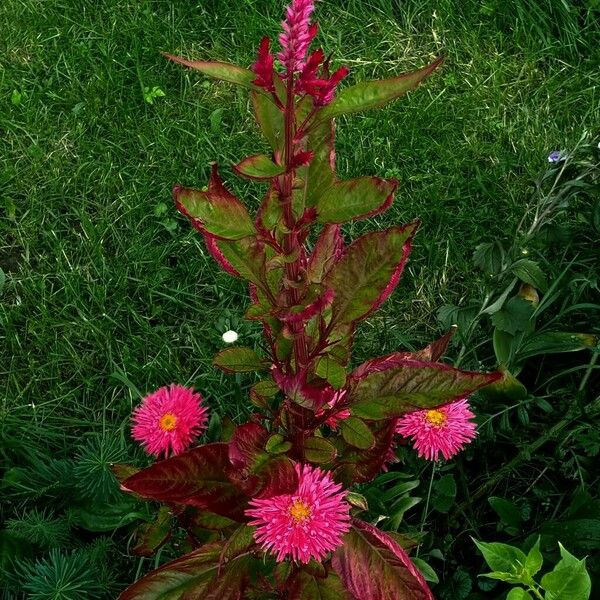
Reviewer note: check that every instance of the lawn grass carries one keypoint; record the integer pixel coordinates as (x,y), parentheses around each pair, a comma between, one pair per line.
(109,292)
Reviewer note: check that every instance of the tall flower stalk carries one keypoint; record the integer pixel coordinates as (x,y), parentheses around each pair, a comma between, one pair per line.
(271,497)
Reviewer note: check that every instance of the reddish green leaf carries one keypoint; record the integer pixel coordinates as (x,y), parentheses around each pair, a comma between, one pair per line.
(277,444)
(212,521)
(259,167)
(239,359)
(173,580)
(367,95)
(327,249)
(411,384)
(272,477)
(368,272)
(219,70)
(247,256)
(358,466)
(122,471)
(306,586)
(196,478)
(356,433)
(270,211)
(215,211)
(247,446)
(151,536)
(355,199)
(372,565)
(319,450)
(269,119)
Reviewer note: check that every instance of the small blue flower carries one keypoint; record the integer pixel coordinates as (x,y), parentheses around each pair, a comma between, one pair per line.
(555,156)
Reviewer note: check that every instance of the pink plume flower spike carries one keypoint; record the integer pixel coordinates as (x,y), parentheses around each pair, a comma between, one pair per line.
(444,430)
(169,420)
(305,525)
(298,33)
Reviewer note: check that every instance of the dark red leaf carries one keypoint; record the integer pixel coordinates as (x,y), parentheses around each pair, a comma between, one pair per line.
(247,446)
(372,565)
(197,478)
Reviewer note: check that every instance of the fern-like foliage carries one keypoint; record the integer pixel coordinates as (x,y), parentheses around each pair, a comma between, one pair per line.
(41,528)
(92,473)
(61,576)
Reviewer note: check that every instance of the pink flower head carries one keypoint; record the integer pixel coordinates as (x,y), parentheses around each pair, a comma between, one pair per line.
(446,429)
(169,419)
(297,35)
(304,525)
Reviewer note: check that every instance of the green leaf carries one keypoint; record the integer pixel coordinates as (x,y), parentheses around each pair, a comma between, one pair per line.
(319,450)
(356,433)
(106,517)
(217,212)
(240,359)
(518,594)
(357,500)
(277,444)
(502,557)
(269,119)
(530,272)
(506,387)
(259,167)
(569,580)
(507,511)
(219,70)
(353,199)
(332,371)
(367,95)
(306,586)
(361,277)
(534,560)
(514,316)
(444,493)
(412,384)
(151,536)
(428,573)
(489,257)
(555,342)
(503,346)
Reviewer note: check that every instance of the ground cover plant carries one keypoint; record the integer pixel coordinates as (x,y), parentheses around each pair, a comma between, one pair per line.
(93,318)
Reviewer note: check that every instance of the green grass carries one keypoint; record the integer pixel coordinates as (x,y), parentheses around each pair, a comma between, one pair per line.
(108,290)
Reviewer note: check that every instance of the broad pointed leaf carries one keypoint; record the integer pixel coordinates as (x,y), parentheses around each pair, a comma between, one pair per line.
(358,198)
(151,536)
(216,211)
(259,167)
(367,95)
(368,272)
(328,248)
(372,565)
(247,257)
(356,433)
(239,359)
(196,478)
(269,119)
(410,385)
(219,70)
(247,446)
(319,450)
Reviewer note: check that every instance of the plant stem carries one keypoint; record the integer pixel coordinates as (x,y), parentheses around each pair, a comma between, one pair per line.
(426,509)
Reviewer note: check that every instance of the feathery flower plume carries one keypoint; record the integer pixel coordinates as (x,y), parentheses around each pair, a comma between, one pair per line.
(263,67)
(444,430)
(297,35)
(304,525)
(169,419)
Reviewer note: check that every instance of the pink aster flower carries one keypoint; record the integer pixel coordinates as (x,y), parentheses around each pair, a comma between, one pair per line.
(444,430)
(297,35)
(169,419)
(304,525)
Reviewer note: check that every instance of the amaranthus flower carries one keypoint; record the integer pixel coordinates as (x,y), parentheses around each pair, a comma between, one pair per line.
(444,430)
(297,35)
(304,525)
(263,67)
(169,419)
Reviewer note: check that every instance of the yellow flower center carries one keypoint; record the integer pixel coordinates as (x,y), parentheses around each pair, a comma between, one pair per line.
(436,417)
(299,511)
(168,422)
